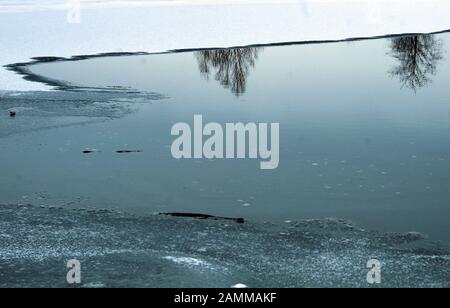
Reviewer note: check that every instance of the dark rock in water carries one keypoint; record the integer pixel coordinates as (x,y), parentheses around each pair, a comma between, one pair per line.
(204,216)
(12,114)
(90,151)
(128,151)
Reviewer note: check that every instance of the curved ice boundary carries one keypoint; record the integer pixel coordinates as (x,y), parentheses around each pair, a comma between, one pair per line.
(119,249)
(25,69)
(156,26)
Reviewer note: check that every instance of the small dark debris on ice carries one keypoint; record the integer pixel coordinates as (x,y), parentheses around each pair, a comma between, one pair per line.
(128,151)
(90,151)
(119,151)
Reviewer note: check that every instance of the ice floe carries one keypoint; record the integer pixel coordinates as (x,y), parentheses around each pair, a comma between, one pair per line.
(120,249)
(49,109)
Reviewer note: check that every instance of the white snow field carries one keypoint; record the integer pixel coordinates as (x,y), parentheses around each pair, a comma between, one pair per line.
(34,28)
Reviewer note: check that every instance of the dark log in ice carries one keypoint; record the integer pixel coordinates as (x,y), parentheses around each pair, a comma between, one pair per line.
(204,216)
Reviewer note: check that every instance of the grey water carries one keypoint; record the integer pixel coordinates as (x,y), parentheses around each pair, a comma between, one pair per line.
(364,134)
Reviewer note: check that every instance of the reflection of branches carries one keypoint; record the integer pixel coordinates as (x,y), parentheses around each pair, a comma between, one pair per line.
(417,56)
(231,66)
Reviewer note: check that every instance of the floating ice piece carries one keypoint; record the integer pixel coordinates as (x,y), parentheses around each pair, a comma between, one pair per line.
(258,252)
(94,285)
(239,286)
(186,261)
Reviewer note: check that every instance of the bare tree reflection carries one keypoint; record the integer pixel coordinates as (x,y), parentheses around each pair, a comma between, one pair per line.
(417,56)
(229,66)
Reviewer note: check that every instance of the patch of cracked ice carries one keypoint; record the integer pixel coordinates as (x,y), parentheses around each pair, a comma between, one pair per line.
(120,249)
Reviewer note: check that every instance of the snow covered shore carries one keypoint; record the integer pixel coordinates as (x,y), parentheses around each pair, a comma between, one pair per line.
(31,29)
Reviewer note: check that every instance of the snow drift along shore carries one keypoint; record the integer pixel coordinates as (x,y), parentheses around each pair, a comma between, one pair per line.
(31,29)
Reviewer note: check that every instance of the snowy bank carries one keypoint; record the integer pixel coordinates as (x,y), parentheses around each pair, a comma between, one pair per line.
(41,28)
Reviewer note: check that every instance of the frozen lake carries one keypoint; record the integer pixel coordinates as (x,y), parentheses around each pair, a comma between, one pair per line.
(86,160)
(363,133)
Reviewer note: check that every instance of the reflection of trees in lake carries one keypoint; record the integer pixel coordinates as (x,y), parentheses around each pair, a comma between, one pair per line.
(230,66)
(417,56)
